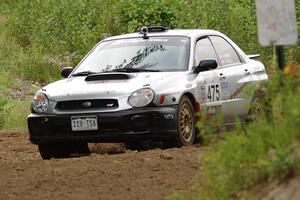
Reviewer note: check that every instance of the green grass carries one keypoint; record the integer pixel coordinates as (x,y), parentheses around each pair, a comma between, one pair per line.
(15,112)
(18,64)
(25,63)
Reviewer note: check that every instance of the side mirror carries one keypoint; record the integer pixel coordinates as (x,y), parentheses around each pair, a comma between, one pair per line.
(206,65)
(66,71)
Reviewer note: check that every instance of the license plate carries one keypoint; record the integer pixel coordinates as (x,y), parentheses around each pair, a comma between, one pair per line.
(84,123)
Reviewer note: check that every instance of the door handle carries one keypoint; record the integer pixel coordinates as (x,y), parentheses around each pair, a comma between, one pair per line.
(247,72)
(222,76)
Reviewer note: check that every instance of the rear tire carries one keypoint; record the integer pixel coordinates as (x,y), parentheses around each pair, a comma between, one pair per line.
(50,150)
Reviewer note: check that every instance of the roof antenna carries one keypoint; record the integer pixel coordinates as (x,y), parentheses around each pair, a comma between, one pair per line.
(144,31)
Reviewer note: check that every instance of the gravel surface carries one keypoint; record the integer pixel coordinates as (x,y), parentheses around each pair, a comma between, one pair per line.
(109,172)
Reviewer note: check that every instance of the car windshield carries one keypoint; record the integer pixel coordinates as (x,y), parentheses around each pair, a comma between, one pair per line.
(137,55)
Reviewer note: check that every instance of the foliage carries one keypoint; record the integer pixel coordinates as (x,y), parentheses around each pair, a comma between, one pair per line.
(3,103)
(15,112)
(233,17)
(61,26)
(64,28)
(12,112)
(135,14)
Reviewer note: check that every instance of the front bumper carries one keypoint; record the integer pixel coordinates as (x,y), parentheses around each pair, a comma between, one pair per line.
(157,123)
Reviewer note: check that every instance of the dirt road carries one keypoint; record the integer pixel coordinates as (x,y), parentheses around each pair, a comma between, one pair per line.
(152,174)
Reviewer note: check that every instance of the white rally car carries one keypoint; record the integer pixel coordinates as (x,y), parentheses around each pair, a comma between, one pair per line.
(140,86)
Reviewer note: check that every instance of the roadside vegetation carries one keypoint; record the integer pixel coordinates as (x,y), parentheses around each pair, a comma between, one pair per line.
(38,38)
(266,149)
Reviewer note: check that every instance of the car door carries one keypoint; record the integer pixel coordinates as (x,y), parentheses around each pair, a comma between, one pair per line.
(232,73)
(208,82)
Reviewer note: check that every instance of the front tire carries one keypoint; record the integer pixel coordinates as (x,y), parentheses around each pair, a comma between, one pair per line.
(185,123)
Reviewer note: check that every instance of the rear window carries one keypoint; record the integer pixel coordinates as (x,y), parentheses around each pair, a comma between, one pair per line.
(227,54)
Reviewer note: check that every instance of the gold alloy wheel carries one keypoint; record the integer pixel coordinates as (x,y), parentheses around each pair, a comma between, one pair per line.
(186,122)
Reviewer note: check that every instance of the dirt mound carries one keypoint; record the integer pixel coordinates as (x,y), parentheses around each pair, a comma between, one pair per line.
(107,148)
(287,189)
(151,174)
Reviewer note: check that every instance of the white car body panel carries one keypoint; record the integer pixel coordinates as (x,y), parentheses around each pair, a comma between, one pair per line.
(171,84)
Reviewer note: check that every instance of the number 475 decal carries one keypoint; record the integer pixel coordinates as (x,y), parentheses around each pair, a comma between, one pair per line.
(213,92)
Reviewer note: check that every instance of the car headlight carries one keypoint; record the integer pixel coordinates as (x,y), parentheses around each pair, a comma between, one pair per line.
(40,103)
(141,97)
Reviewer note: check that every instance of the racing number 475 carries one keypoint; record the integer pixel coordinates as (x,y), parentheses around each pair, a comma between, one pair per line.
(213,92)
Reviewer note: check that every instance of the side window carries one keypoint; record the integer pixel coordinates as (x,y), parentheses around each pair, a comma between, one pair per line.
(227,55)
(204,51)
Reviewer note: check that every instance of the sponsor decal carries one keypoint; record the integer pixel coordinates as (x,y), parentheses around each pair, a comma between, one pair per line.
(211,111)
(203,94)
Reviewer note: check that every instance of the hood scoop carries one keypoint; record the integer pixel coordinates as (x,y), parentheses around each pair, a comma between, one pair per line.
(103,77)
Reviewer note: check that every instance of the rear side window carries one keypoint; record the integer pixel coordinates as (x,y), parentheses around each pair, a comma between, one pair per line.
(227,55)
(204,51)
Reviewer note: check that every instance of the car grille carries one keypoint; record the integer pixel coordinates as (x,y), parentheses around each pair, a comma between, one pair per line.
(88,104)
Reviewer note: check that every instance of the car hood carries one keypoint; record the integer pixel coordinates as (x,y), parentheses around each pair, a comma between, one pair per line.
(79,88)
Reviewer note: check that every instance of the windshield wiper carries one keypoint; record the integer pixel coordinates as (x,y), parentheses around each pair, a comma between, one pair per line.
(134,70)
(85,73)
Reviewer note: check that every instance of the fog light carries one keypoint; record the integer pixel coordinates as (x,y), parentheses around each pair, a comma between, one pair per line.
(140,122)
